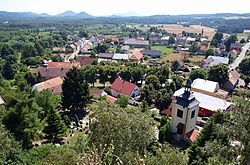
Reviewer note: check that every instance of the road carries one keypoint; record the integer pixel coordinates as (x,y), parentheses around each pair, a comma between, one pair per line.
(242,55)
(72,56)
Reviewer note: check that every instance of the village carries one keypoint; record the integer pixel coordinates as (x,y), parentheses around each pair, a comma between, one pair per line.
(133,64)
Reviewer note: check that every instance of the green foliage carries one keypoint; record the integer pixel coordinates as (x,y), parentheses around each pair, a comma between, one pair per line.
(218,73)
(55,128)
(137,131)
(152,79)
(218,37)
(8,71)
(175,65)
(76,94)
(198,73)
(122,101)
(245,66)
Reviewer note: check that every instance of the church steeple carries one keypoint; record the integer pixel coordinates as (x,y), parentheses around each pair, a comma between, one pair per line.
(188,86)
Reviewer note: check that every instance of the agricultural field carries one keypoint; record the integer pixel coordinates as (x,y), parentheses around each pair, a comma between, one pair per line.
(165,51)
(184,55)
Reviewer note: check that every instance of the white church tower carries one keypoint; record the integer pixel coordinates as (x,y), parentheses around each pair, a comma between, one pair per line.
(184,114)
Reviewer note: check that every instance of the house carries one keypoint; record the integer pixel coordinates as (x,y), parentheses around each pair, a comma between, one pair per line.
(234,78)
(58,50)
(85,60)
(214,60)
(207,104)
(54,85)
(56,69)
(154,63)
(136,56)
(152,53)
(184,115)
(135,43)
(121,57)
(124,49)
(208,87)
(100,37)
(190,40)
(165,41)
(105,55)
(124,87)
(115,39)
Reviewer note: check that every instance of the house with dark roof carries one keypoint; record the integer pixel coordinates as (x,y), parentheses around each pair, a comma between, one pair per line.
(135,43)
(105,55)
(124,87)
(54,85)
(124,49)
(56,69)
(152,53)
(85,60)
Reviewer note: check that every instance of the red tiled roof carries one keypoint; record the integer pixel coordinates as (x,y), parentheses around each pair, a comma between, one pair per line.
(49,73)
(111,99)
(63,64)
(85,60)
(122,86)
(192,135)
(136,56)
(54,85)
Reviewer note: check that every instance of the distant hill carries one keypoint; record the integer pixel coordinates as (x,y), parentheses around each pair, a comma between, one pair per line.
(84,15)
(66,14)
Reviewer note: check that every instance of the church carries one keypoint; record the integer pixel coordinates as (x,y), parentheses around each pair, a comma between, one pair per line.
(184,115)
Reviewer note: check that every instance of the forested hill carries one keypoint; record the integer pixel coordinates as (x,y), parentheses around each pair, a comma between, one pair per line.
(224,22)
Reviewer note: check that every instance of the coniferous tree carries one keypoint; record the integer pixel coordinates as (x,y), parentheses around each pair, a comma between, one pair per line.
(55,128)
(76,94)
(8,71)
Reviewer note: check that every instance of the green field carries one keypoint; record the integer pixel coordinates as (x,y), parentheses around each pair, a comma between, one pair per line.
(163,49)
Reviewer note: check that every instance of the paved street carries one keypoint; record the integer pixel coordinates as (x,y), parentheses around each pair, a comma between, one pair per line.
(242,55)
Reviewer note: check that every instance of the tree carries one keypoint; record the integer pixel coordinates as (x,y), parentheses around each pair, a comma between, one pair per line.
(218,73)
(127,129)
(198,73)
(55,128)
(164,134)
(171,40)
(76,94)
(163,99)
(163,74)
(175,66)
(218,37)
(178,82)
(245,66)
(6,50)
(144,106)
(30,78)
(242,41)
(8,72)
(214,43)
(103,74)
(136,74)
(194,48)
(229,41)
(90,74)
(209,52)
(125,74)
(152,79)
(83,34)
(122,101)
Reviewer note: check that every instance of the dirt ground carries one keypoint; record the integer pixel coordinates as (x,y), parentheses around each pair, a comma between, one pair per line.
(182,55)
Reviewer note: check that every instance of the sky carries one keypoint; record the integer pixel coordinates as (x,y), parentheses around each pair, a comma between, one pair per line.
(142,7)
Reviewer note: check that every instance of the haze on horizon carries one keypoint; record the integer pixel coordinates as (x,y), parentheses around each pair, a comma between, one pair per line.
(142,7)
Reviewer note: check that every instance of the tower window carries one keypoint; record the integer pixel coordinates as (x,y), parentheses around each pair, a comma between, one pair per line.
(192,114)
(179,113)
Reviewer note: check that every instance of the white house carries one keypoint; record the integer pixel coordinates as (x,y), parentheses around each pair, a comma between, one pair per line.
(121,57)
(214,60)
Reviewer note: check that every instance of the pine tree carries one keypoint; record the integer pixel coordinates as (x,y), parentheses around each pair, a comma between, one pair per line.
(55,128)
(8,71)
(76,94)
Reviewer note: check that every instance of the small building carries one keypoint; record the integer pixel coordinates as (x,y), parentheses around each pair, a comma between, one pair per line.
(135,43)
(234,78)
(164,41)
(235,46)
(184,115)
(154,63)
(124,87)
(85,60)
(136,56)
(124,49)
(121,57)
(214,60)
(208,104)
(152,53)
(53,85)
(105,55)
(208,87)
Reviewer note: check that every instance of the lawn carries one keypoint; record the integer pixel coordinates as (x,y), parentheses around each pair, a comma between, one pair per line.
(165,51)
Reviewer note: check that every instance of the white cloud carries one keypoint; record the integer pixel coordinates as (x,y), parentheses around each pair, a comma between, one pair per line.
(146,7)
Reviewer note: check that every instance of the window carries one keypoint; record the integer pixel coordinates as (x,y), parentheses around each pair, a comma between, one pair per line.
(192,114)
(180,113)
